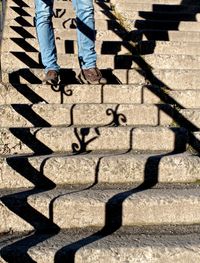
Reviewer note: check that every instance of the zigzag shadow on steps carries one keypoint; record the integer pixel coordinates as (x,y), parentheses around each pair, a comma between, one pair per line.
(155,25)
(113,211)
(114,205)
(18,204)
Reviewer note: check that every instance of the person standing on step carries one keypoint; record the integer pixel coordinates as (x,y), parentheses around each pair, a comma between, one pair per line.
(86,41)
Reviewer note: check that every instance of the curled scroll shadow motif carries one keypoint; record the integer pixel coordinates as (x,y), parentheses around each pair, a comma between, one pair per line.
(81,146)
(118,118)
(64,91)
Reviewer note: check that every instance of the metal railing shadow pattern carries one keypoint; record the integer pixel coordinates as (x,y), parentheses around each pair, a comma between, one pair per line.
(113,212)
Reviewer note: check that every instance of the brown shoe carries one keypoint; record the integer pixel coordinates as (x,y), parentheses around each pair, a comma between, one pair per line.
(91,76)
(51,77)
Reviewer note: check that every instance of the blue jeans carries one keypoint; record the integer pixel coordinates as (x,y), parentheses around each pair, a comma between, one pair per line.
(85,33)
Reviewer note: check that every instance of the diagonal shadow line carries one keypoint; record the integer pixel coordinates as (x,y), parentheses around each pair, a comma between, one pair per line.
(25,90)
(23,22)
(27,112)
(21,3)
(19,10)
(114,212)
(18,203)
(30,62)
(21,42)
(22,32)
(125,195)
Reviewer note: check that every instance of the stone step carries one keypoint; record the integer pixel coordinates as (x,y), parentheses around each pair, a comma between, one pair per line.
(167,2)
(165,35)
(148,15)
(57,4)
(92,245)
(69,76)
(24,115)
(79,208)
(109,169)
(77,140)
(65,46)
(164,25)
(169,47)
(113,94)
(157,61)
(163,7)
(12,12)
(175,79)
(106,47)
(169,61)
(26,22)
(26,33)
(116,94)
(25,60)
(105,24)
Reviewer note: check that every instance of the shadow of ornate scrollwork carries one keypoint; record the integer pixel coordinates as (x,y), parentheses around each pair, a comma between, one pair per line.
(118,118)
(81,146)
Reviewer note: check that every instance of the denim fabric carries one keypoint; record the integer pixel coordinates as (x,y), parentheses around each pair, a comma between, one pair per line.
(85,33)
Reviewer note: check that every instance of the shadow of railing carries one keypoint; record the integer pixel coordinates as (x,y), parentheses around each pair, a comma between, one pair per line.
(113,210)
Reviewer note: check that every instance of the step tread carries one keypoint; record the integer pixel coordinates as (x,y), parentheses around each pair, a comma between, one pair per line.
(113,168)
(179,245)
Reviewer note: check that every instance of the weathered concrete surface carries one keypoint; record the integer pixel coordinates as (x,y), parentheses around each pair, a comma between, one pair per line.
(107,169)
(11,222)
(111,47)
(86,115)
(78,140)
(175,79)
(109,94)
(169,47)
(69,76)
(88,208)
(122,246)
(30,33)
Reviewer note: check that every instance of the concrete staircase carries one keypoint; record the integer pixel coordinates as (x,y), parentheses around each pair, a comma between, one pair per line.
(110,173)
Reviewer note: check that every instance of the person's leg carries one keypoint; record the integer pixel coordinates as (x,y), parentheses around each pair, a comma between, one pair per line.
(86,42)
(45,34)
(85,33)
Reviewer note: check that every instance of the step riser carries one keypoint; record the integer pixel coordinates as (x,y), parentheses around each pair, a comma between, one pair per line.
(82,94)
(117,169)
(64,46)
(32,60)
(168,36)
(64,14)
(71,76)
(163,25)
(84,115)
(127,14)
(73,209)
(28,22)
(94,115)
(56,5)
(47,140)
(71,34)
(163,47)
(116,94)
(175,79)
(169,2)
(150,7)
